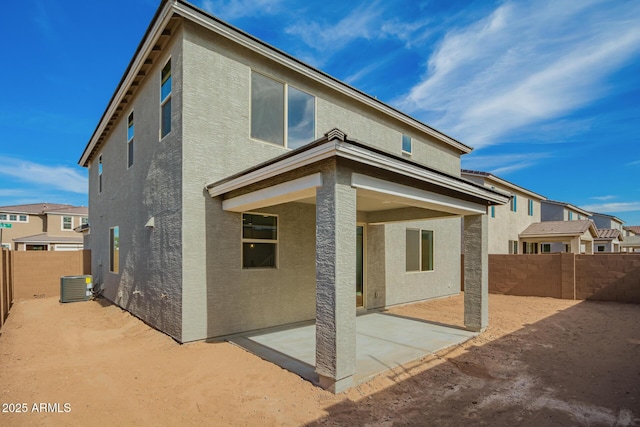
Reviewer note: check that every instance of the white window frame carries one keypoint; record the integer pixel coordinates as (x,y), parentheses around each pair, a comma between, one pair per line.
(112,250)
(513,203)
(276,242)
(130,143)
(410,152)
(433,254)
(100,166)
(285,118)
(513,247)
(15,218)
(62,223)
(165,100)
(25,216)
(530,207)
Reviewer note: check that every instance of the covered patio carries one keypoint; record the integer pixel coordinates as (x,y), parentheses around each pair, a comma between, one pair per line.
(383,342)
(351,183)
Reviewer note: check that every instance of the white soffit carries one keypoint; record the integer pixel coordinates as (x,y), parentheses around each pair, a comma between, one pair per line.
(416,197)
(280,193)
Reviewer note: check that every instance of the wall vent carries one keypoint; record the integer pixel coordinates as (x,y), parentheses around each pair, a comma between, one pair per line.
(75,288)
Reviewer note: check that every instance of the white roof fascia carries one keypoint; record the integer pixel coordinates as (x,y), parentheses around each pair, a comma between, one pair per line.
(514,186)
(348,151)
(155,33)
(305,70)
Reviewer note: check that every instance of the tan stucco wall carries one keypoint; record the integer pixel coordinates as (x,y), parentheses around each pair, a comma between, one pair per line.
(35,225)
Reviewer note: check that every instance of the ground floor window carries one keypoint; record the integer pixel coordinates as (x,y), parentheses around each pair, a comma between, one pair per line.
(529,248)
(114,249)
(419,250)
(259,240)
(600,248)
(36,247)
(545,248)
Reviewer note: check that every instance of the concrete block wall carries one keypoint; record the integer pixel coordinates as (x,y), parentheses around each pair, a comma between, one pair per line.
(611,277)
(37,273)
(526,275)
(603,277)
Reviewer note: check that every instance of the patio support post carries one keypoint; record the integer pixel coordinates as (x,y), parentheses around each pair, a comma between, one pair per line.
(476,273)
(335,281)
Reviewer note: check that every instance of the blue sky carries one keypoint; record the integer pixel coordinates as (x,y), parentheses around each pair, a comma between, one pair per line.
(547,92)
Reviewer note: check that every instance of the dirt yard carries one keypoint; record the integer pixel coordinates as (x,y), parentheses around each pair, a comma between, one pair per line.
(541,362)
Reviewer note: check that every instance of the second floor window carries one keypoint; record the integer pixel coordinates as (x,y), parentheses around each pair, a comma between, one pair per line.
(130,134)
(530,207)
(100,174)
(406,144)
(514,203)
(67,223)
(165,100)
(281,114)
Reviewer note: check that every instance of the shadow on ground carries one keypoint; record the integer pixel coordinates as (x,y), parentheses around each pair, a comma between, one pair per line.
(580,366)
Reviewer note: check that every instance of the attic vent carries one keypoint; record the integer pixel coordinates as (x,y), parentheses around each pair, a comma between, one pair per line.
(336,133)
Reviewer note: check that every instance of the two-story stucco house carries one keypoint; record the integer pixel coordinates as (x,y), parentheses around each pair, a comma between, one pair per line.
(506,222)
(610,232)
(42,226)
(233,187)
(574,238)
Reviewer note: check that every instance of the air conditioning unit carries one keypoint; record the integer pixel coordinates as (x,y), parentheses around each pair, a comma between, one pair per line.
(75,288)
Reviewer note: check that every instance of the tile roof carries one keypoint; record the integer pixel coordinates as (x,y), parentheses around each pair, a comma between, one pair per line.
(558,228)
(634,229)
(609,233)
(501,181)
(42,208)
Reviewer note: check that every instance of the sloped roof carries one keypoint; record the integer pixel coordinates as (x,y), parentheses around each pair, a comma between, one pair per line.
(42,208)
(46,238)
(167,10)
(633,228)
(609,233)
(501,181)
(560,228)
(568,206)
(613,217)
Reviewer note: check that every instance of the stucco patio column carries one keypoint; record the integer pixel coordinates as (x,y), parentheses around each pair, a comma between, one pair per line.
(335,281)
(476,273)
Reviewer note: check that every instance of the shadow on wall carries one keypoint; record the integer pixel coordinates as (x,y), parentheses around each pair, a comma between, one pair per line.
(579,366)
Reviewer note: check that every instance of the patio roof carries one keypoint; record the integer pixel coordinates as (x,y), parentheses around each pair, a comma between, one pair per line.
(549,229)
(445,193)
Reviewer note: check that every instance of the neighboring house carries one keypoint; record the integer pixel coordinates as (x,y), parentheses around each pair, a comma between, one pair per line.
(572,236)
(42,226)
(560,211)
(610,232)
(609,240)
(233,188)
(631,241)
(507,221)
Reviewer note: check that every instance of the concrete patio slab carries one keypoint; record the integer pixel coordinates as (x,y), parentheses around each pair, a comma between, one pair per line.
(383,341)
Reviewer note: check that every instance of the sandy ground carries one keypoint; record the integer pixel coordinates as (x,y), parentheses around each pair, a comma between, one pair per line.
(541,362)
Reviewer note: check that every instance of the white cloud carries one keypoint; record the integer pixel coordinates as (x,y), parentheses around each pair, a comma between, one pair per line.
(636,163)
(56,177)
(234,9)
(603,198)
(503,164)
(613,207)
(525,63)
(362,22)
